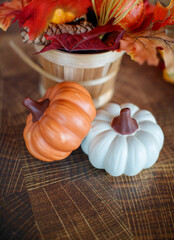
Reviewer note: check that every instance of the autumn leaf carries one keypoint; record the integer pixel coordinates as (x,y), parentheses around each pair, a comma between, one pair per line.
(143,44)
(142,47)
(88,41)
(8,10)
(38,13)
(163,15)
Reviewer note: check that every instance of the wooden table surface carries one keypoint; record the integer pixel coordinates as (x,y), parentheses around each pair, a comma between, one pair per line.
(70,199)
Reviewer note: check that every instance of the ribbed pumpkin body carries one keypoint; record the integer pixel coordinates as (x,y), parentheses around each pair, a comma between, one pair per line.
(63,125)
(119,153)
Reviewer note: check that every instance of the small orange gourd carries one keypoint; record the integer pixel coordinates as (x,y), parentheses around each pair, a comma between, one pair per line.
(59,121)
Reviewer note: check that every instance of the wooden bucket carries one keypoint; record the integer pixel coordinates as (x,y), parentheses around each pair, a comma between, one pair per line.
(96,72)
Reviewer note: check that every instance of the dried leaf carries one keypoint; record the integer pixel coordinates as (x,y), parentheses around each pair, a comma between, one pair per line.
(88,41)
(143,43)
(163,15)
(37,14)
(142,47)
(8,10)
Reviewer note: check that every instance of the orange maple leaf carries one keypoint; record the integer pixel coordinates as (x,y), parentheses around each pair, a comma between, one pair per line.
(8,10)
(142,47)
(143,44)
(38,13)
(163,15)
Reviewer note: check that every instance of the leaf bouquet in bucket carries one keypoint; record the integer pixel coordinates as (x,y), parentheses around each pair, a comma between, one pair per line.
(88,38)
(83,41)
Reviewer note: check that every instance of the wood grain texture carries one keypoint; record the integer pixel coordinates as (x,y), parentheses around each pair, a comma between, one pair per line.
(80,210)
(17,220)
(70,199)
(11,176)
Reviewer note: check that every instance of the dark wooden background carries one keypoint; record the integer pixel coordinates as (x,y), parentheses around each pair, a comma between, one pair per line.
(70,199)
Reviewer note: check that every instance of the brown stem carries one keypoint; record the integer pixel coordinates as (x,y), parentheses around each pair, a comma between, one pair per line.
(37,109)
(124,124)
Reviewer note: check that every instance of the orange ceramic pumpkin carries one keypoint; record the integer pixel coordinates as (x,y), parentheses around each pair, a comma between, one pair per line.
(133,18)
(59,121)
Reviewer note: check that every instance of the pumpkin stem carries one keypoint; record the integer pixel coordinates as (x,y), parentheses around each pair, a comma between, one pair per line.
(37,109)
(124,124)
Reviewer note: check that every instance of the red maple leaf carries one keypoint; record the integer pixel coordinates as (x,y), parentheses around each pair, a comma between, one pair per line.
(38,13)
(88,41)
(8,11)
